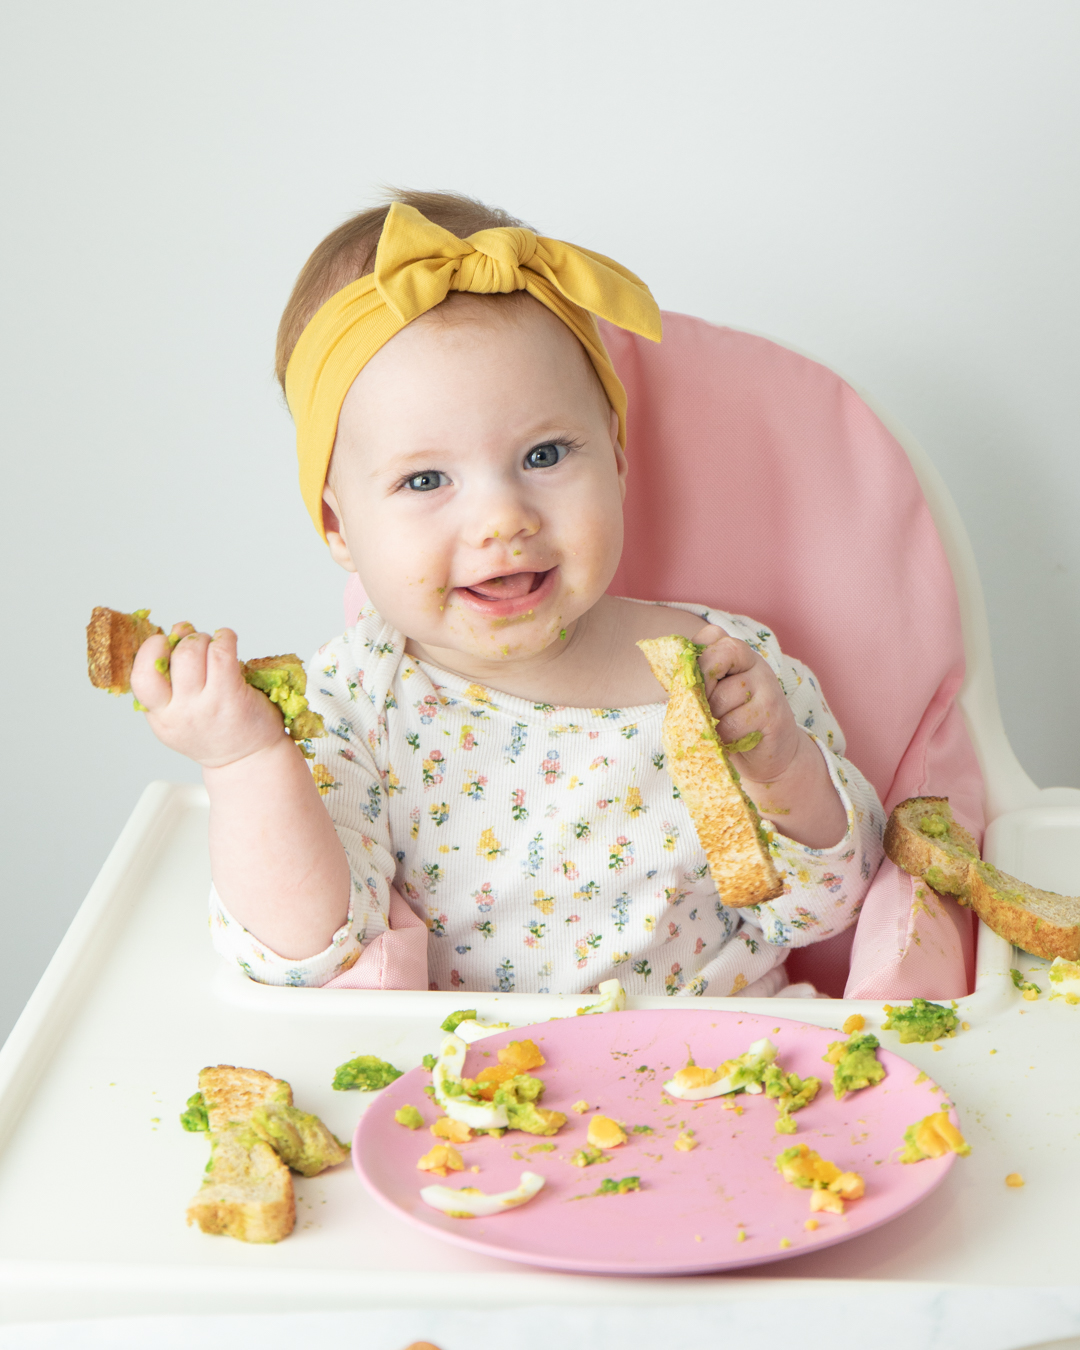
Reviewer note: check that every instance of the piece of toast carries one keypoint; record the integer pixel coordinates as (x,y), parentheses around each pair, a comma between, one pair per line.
(247,1192)
(922,838)
(232,1096)
(299,1139)
(112,639)
(727,821)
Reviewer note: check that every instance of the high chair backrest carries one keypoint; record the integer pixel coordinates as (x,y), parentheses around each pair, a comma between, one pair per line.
(761,484)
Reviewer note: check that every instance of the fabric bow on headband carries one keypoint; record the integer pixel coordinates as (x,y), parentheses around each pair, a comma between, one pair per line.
(417,264)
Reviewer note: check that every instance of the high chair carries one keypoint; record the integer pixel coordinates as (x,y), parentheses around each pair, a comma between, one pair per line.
(760,483)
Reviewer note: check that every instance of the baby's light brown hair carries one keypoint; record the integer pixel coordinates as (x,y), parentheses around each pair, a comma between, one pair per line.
(348,253)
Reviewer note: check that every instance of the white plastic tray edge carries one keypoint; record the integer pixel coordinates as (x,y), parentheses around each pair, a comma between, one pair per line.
(27,1050)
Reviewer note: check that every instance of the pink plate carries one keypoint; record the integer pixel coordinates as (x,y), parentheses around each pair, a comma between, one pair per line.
(686,1218)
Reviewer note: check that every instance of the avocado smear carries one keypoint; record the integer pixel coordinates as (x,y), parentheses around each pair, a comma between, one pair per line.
(300,1140)
(366,1073)
(455,1018)
(923,1021)
(195,1117)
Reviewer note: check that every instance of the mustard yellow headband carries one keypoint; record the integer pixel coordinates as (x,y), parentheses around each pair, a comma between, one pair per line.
(417,264)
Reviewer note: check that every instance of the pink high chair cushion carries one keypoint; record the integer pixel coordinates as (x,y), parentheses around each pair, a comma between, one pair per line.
(761,484)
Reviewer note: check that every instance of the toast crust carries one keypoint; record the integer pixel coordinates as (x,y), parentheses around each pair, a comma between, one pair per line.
(248,1192)
(112,639)
(727,822)
(232,1095)
(948,860)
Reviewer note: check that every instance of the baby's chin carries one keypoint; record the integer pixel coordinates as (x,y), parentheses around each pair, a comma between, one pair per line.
(496,642)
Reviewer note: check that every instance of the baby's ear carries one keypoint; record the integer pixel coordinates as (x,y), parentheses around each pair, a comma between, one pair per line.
(335,538)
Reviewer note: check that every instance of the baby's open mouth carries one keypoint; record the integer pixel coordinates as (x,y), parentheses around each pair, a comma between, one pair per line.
(510,587)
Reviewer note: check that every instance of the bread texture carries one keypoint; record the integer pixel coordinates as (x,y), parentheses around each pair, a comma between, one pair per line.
(727,822)
(248,1191)
(232,1095)
(922,838)
(112,639)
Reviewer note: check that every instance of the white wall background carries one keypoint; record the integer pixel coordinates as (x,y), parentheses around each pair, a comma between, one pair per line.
(893,187)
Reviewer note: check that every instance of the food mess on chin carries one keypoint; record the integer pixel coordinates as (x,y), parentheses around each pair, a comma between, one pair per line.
(855,1064)
(933,1137)
(829,1186)
(365,1073)
(471,1203)
(923,1021)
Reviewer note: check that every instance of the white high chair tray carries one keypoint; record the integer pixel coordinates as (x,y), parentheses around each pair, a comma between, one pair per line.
(96,1173)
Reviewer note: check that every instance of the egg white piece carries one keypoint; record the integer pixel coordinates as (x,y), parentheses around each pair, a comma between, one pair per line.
(472,1030)
(744,1077)
(448,1067)
(477,1204)
(612,998)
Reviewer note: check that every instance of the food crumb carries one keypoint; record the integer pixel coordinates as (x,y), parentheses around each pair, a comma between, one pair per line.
(697,1237)
(937,1047)
(785,1242)
(686,1141)
(965,1026)
(856,1022)
(580,1107)
(811,1225)
(993,1052)
(1014,1179)
(740,1235)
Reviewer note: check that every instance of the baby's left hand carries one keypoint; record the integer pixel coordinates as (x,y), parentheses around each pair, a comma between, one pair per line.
(745,697)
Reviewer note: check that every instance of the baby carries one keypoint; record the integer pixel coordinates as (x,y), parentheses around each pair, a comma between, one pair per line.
(493,758)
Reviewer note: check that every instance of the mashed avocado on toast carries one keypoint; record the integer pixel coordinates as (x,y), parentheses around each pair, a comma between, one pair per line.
(727,822)
(256,1135)
(113,638)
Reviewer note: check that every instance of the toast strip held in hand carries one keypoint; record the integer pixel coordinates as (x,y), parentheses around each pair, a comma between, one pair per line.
(727,821)
(923,839)
(113,638)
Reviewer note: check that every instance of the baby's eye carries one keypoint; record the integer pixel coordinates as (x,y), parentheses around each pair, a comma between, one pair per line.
(545,456)
(427,481)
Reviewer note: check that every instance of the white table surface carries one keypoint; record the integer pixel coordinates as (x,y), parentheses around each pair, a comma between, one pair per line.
(95,1173)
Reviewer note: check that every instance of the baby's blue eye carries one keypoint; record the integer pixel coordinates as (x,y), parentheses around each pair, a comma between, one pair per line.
(427,481)
(545,456)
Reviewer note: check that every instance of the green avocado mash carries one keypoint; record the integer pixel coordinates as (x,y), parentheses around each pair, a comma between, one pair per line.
(609,1186)
(519,1095)
(1026,986)
(429,1062)
(366,1073)
(282,680)
(195,1117)
(935,827)
(463,1015)
(923,1021)
(792,1093)
(585,1157)
(300,1140)
(409,1116)
(856,1063)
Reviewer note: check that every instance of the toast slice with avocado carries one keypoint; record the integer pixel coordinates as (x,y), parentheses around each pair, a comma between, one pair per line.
(113,638)
(922,838)
(727,821)
(256,1136)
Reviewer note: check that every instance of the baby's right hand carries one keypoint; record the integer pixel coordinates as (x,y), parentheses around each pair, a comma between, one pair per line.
(198,702)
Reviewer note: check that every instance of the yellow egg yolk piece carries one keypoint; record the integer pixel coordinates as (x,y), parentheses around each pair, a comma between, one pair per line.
(605,1133)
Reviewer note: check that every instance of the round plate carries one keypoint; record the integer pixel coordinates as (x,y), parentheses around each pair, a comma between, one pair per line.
(692,1206)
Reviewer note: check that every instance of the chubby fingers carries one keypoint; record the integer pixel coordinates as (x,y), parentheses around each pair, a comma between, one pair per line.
(724,655)
(150,674)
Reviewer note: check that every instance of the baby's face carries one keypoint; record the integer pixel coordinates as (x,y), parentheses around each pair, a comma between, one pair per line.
(478,482)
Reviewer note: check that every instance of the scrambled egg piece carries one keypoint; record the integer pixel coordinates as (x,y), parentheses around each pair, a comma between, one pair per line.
(856,1022)
(685,1141)
(365,1073)
(580,1107)
(855,1063)
(1015,1180)
(441,1160)
(829,1186)
(454,1131)
(471,1203)
(933,1137)
(410,1117)
(605,1132)
(923,1021)
(746,1073)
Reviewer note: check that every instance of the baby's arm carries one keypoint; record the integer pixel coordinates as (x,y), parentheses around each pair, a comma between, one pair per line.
(276,860)
(784,774)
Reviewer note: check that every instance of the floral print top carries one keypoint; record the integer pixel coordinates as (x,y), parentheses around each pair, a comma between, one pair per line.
(546,848)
